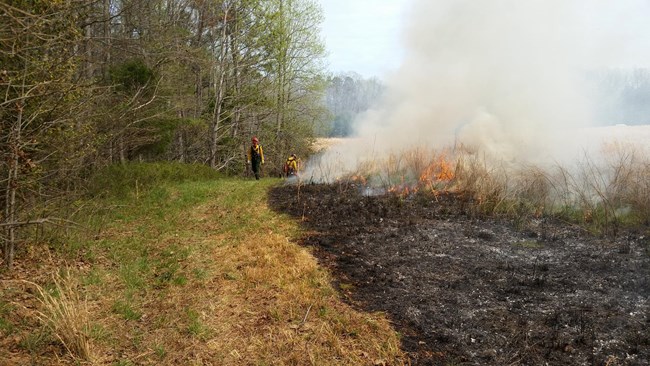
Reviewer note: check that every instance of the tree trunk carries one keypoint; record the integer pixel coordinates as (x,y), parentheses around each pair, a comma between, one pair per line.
(181,146)
(121,147)
(282,71)
(107,37)
(180,139)
(235,63)
(199,93)
(12,187)
(216,114)
(198,69)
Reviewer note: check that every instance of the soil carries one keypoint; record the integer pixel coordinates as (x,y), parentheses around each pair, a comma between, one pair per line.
(463,289)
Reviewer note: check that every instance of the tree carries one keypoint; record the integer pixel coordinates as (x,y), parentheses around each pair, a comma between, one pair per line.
(294,63)
(40,99)
(347,97)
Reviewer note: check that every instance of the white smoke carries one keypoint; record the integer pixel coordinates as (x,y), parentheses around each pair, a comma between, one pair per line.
(504,76)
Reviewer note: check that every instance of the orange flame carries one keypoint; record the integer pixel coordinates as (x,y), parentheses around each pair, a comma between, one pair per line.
(435,177)
(359,178)
(403,190)
(438,171)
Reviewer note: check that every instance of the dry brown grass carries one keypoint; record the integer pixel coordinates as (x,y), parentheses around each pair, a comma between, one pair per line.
(64,311)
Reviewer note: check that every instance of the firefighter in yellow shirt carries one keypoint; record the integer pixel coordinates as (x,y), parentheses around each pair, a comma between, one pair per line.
(291,166)
(256,157)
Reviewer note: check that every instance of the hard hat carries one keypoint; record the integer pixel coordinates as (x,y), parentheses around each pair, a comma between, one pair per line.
(255,139)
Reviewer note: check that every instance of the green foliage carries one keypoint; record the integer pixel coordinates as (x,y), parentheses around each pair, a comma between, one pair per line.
(131,74)
(163,129)
(119,180)
(342,126)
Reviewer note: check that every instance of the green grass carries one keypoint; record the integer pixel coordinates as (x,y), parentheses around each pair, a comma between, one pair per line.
(34,342)
(135,179)
(6,326)
(195,325)
(126,310)
(155,220)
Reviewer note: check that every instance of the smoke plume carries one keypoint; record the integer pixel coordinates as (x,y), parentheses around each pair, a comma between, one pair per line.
(505,77)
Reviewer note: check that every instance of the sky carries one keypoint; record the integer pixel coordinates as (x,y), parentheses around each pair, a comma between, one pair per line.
(364,35)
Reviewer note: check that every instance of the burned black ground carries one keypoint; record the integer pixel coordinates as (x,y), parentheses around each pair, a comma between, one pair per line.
(469,290)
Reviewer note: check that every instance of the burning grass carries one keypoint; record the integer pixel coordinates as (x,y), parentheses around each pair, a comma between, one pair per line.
(603,194)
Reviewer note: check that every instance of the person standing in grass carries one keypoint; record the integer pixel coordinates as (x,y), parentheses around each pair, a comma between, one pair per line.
(256,157)
(291,166)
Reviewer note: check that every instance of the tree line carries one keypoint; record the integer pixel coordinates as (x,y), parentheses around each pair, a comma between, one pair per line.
(347,96)
(86,84)
(622,95)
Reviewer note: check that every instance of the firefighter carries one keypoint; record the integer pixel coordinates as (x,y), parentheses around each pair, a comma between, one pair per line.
(255,157)
(291,166)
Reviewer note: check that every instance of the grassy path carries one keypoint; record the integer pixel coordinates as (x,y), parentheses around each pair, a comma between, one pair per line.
(198,273)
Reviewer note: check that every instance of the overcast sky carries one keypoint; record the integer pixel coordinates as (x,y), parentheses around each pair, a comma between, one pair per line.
(363,35)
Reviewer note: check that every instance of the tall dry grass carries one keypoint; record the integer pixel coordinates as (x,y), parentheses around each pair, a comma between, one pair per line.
(603,192)
(65,312)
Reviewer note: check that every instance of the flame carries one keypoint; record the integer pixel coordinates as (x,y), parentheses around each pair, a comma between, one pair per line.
(434,178)
(359,178)
(403,190)
(438,171)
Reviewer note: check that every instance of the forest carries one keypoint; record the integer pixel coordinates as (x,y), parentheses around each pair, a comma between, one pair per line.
(87,84)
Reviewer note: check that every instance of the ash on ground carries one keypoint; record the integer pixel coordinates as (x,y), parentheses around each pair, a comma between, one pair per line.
(465,289)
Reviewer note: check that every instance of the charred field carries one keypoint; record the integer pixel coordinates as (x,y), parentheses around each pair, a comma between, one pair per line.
(467,289)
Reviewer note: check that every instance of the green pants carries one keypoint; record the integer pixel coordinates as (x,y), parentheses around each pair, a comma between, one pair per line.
(255,165)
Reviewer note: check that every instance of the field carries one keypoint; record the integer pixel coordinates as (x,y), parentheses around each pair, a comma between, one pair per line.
(467,289)
(165,271)
(446,263)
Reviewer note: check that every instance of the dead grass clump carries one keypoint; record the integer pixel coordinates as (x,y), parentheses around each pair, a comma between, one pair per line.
(66,314)
(605,194)
(486,185)
(531,193)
